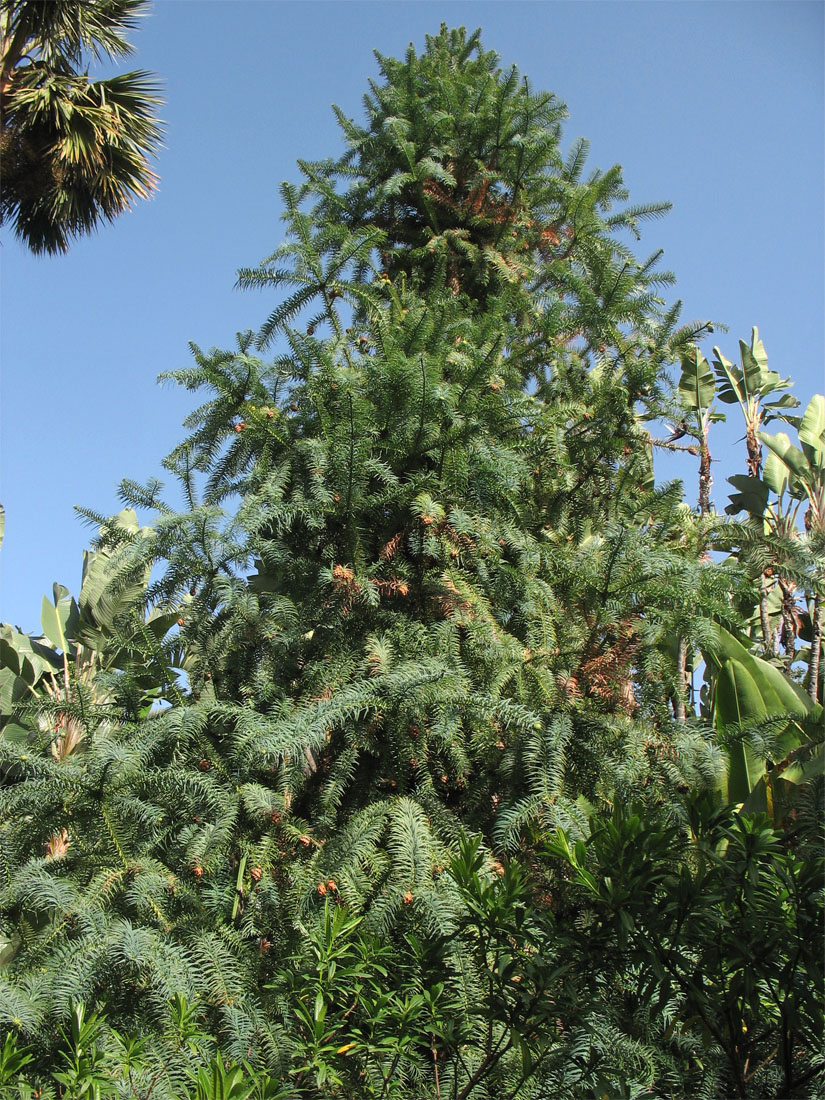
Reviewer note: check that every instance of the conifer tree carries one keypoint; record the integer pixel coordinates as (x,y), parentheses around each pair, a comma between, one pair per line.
(463,575)
(426,586)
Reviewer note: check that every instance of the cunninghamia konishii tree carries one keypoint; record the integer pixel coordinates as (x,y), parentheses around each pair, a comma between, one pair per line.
(426,586)
(465,579)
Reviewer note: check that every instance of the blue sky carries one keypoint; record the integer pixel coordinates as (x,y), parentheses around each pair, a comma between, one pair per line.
(717,107)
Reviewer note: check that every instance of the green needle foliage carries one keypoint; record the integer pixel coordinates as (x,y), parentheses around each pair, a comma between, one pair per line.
(433,612)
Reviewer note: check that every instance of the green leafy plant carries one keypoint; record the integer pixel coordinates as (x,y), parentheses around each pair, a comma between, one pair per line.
(744,690)
(718,930)
(757,390)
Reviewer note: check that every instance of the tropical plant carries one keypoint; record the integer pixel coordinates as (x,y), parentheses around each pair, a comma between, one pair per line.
(750,386)
(762,718)
(96,1062)
(803,471)
(697,391)
(103,647)
(789,561)
(75,151)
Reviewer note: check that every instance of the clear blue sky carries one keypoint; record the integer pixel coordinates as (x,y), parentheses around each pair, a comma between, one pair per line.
(717,107)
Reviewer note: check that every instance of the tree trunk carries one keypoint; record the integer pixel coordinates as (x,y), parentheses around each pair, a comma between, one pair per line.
(705,480)
(679,712)
(788,636)
(816,649)
(767,633)
(754,448)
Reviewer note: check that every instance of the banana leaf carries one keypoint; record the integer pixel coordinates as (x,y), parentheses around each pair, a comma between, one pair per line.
(748,688)
(697,386)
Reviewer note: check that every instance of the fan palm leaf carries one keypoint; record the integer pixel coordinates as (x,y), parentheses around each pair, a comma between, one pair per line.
(75,151)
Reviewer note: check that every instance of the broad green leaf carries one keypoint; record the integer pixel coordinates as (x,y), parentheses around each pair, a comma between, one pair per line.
(15,734)
(18,662)
(749,688)
(785,401)
(791,456)
(812,430)
(799,773)
(60,619)
(757,350)
(727,395)
(59,592)
(9,945)
(13,689)
(772,382)
(752,382)
(52,627)
(775,473)
(754,369)
(779,694)
(731,387)
(10,657)
(757,802)
(752,496)
(737,699)
(777,792)
(100,603)
(25,656)
(697,386)
(159,623)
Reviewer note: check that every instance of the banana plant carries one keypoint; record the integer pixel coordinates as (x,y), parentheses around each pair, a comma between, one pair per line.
(697,390)
(25,662)
(802,471)
(774,521)
(84,645)
(761,397)
(745,691)
(748,386)
(806,467)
